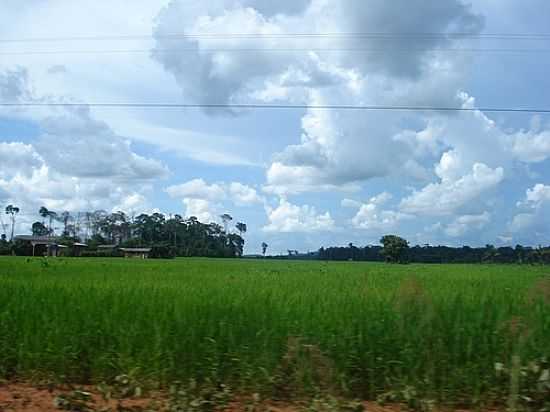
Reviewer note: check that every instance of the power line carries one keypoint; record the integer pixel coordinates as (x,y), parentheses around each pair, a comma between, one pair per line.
(286,50)
(280,107)
(223,36)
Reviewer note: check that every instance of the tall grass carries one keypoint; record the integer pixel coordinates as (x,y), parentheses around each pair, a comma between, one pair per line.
(373,328)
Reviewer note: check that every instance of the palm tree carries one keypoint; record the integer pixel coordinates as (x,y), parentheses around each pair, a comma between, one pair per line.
(4,230)
(241,227)
(45,213)
(226,218)
(12,211)
(65,217)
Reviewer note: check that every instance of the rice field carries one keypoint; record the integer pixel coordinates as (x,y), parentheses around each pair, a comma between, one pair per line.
(451,333)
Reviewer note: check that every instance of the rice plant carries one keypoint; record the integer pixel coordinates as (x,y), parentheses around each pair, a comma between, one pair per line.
(442,333)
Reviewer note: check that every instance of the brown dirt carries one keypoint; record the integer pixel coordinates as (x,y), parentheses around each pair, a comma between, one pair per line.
(19,397)
(23,397)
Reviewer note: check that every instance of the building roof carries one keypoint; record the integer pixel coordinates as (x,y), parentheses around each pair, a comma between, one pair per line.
(45,240)
(80,244)
(106,246)
(136,249)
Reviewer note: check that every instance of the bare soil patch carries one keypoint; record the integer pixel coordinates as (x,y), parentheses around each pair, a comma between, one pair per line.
(24,397)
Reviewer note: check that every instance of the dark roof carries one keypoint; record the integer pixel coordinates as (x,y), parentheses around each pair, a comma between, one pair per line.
(46,240)
(136,249)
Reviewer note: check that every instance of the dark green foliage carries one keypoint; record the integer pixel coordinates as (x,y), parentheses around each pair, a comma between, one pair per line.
(5,247)
(21,248)
(163,252)
(395,249)
(39,229)
(444,254)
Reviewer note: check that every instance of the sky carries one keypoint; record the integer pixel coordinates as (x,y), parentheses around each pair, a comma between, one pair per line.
(299,178)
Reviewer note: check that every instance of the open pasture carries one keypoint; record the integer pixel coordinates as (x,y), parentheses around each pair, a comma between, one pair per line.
(445,332)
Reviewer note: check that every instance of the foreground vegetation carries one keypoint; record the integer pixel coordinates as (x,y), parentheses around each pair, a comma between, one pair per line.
(461,334)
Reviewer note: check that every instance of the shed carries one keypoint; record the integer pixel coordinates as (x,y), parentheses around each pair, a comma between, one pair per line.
(50,243)
(141,253)
(77,248)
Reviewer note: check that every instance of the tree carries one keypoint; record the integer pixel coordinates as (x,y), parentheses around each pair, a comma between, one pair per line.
(395,249)
(264,248)
(4,229)
(51,215)
(65,217)
(241,227)
(226,218)
(12,211)
(39,229)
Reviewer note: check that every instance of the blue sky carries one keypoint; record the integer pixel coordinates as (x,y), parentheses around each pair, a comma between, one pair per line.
(300,179)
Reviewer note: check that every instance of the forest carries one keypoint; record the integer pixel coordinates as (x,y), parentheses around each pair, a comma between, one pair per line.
(170,236)
(441,254)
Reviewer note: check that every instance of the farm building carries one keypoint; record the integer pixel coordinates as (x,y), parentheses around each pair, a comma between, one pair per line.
(47,245)
(50,246)
(140,253)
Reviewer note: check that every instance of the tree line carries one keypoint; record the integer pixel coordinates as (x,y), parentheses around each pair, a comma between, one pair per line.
(170,235)
(394,249)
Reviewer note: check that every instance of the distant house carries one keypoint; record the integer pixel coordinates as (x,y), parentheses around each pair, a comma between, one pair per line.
(140,253)
(77,249)
(50,246)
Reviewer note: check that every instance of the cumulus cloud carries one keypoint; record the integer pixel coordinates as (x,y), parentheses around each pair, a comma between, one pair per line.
(240,194)
(199,189)
(371,216)
(243,195)
(452,194)
(76,163)
(533,219)
(536,197)
(17,157)
(290,218)
(218,76)
(14,85)
(464,224)
(532,147)
(202,209)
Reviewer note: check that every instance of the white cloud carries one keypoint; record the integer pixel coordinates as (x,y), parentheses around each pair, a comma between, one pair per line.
(240,194)
(217,76)
(198,189)
(521,222)
(350,203)
(243,195)
(534,219)
(17,157)
(452,194)
(202,209)
(372,217)
(536,197)
(381,198)
(77,162)
(464,224)
(290,218)
(532,147)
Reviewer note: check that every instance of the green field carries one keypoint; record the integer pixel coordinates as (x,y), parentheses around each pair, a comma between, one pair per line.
(362,329)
